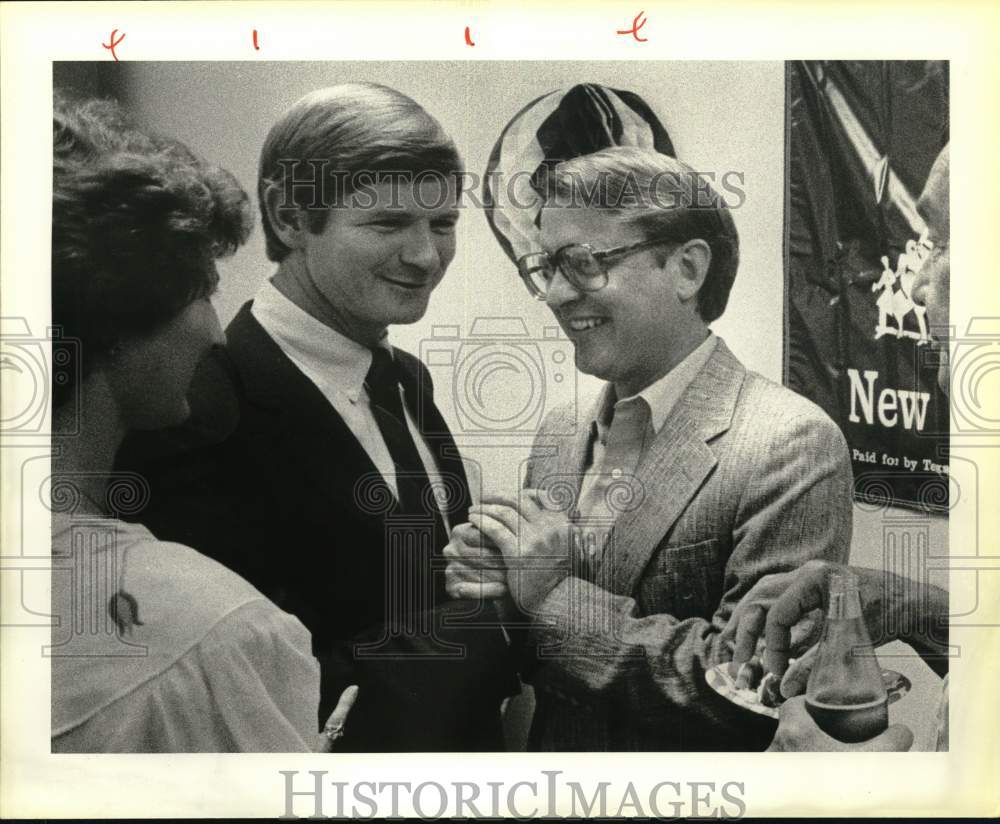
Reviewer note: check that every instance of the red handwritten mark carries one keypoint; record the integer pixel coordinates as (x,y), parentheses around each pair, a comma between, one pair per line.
(468,37)
(111,46)
(636,25)
(255,40)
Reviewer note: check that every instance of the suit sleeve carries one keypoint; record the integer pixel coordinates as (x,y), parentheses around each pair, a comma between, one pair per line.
(795,505)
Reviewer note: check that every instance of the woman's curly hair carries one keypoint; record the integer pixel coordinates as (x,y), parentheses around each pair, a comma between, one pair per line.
(138,221)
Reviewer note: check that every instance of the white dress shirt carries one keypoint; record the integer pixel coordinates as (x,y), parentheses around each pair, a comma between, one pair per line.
(337,366)
(621,433)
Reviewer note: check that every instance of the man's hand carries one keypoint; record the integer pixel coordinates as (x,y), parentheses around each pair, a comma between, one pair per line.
(334,729)
(799,597)
(781,607)
(535,543)
(797,732)
(476,569)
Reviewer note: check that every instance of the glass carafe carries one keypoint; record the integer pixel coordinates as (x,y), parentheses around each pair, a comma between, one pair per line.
(845,694)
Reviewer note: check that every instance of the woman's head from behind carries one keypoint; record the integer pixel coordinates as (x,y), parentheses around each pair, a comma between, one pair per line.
(137,224)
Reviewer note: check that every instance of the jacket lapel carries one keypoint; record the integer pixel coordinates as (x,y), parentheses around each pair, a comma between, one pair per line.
(674,469)
(304,423)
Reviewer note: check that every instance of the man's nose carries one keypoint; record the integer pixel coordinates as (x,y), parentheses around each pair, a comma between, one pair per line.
(420,249)
(560,290)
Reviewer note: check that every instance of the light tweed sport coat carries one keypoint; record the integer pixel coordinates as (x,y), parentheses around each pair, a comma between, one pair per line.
(745,478)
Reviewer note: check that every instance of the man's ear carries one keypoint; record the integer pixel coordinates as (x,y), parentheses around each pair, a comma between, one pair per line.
(693,258)
(288,222)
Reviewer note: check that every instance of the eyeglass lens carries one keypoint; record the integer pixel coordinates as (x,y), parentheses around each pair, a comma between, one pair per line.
(577,264)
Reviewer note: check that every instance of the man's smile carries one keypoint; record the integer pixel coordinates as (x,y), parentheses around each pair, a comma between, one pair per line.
(584,323)
(409,285)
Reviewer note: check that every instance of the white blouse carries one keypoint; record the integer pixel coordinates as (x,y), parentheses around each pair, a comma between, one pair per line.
(158,648)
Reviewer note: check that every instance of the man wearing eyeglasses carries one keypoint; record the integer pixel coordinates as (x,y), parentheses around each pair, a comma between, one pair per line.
(694,478)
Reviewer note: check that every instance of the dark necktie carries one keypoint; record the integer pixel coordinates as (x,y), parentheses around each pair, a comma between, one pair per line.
(432,676)
(417,518)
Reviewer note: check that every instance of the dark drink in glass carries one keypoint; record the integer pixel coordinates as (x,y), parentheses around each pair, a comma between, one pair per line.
(845,695)
(850,723)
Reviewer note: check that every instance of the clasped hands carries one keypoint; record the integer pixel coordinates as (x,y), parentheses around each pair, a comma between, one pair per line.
(512,546)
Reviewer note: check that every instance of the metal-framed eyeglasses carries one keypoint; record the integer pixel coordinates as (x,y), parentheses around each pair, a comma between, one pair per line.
(583,266)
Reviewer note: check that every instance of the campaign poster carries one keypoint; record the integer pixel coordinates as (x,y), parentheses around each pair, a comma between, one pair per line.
(862,136)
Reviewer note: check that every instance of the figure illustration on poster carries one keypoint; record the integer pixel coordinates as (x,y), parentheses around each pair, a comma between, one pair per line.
(896,289)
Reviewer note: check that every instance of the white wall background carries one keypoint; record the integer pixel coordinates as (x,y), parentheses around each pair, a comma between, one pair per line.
(722,116)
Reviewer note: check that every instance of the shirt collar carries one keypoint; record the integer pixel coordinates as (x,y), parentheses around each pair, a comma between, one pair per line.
(342,362)
(661,396)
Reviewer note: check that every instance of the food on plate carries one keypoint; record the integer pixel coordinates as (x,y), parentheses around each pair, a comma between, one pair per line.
(758,686)
(769,691)
(749,674)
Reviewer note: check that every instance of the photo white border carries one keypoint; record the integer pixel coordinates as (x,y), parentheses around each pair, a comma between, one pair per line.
(34,782)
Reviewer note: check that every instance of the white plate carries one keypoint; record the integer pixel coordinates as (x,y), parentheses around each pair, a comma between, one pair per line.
(719,679)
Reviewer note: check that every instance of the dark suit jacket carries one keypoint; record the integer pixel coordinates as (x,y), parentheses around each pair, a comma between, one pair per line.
(268,479)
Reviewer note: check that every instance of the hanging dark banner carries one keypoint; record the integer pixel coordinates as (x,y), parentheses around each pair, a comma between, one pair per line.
(861,140)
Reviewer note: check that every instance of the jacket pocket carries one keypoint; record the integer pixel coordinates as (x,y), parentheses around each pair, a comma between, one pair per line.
(683,581)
